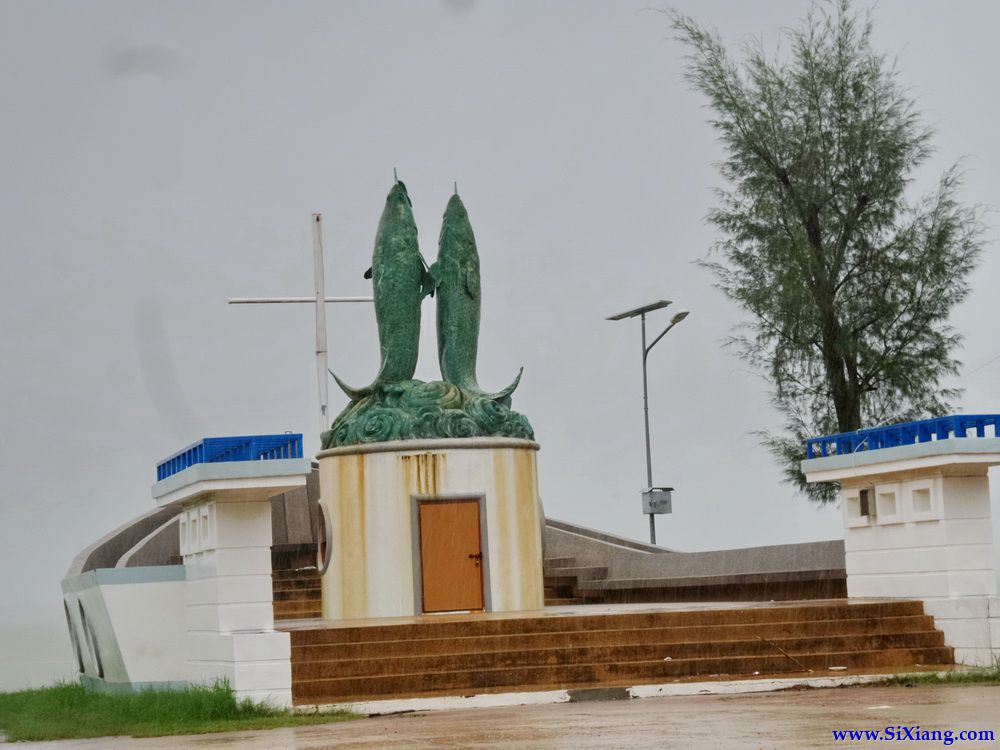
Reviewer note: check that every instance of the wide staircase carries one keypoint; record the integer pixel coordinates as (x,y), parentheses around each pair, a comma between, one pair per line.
(563,580)
(483,654)
(297,594)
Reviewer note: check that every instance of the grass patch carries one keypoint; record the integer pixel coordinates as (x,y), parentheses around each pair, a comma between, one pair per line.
(979,676)
(68,710)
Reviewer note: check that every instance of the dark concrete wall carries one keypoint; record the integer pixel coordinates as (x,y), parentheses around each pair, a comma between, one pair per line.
(106,551)
(162,547)
(629,562)
(295,526)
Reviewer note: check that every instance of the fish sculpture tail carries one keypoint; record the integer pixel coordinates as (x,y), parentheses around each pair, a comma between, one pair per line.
(355,394)
(502,396)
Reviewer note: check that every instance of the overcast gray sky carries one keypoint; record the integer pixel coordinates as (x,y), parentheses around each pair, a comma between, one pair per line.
(158,158)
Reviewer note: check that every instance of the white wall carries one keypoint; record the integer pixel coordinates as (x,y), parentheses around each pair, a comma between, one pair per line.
(134,626)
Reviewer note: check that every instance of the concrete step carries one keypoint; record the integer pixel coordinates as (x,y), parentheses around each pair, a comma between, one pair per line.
(336,689)
(559,592)
(776,586)
(580,573)
(558,562)
(577,649)
(791,649)
(560,582)
(291,584)
(307,615)
(571,622)
(298,608)
(298,595)
(777,632)
(280,574)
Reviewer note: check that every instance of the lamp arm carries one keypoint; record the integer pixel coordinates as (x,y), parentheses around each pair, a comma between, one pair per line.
(665,331)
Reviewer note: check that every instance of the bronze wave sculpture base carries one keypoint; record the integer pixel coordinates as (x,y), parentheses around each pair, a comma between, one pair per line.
(413,409)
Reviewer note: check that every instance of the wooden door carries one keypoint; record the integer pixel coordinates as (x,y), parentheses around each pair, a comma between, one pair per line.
(450,555)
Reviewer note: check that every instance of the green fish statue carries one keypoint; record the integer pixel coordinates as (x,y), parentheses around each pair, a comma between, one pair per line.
(400,281)
(455,276)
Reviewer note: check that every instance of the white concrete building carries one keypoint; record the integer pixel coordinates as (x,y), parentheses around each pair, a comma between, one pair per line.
(917,522)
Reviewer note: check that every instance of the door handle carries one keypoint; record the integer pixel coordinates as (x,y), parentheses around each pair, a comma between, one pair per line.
(477,556)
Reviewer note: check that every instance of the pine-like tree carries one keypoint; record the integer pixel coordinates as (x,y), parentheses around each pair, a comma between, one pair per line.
(848,281)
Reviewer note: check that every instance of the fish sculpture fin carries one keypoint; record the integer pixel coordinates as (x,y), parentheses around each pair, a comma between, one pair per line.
(368,275)
(472,282)
(355,394)
(428,281)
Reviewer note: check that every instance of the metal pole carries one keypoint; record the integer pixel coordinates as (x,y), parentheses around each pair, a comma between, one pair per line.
(645,410)
(292,300)
(321,354)
(319,300)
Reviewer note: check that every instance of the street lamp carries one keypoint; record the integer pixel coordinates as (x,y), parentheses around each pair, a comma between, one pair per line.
(678,317)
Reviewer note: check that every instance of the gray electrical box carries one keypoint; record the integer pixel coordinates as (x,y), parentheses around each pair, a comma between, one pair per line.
(657,500)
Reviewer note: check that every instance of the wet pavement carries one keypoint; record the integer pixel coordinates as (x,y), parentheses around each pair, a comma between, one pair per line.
(790,719)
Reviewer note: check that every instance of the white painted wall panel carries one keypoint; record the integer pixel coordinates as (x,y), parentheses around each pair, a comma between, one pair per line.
(148,623)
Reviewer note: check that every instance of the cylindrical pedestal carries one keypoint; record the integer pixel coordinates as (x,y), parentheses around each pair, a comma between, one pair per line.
(424,526)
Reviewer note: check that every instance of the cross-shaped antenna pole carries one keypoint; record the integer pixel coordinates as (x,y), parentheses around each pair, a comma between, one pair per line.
(319,299)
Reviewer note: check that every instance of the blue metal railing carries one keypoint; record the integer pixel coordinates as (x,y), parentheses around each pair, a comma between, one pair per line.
(237,448)
(907,433)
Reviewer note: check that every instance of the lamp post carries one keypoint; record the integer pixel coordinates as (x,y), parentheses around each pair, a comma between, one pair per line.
(641,313)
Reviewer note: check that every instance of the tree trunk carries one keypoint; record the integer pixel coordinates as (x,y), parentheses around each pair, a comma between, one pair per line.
(844,391)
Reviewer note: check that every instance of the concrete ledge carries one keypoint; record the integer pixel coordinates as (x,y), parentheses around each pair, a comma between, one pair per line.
(261,478)
(115,576)
(982,451)
(410,446)
(499,700)
(602,536)
(720,580)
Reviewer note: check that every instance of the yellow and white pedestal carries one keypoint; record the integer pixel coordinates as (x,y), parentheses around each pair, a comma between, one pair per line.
(917,526)
(416,527)
(225,540)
